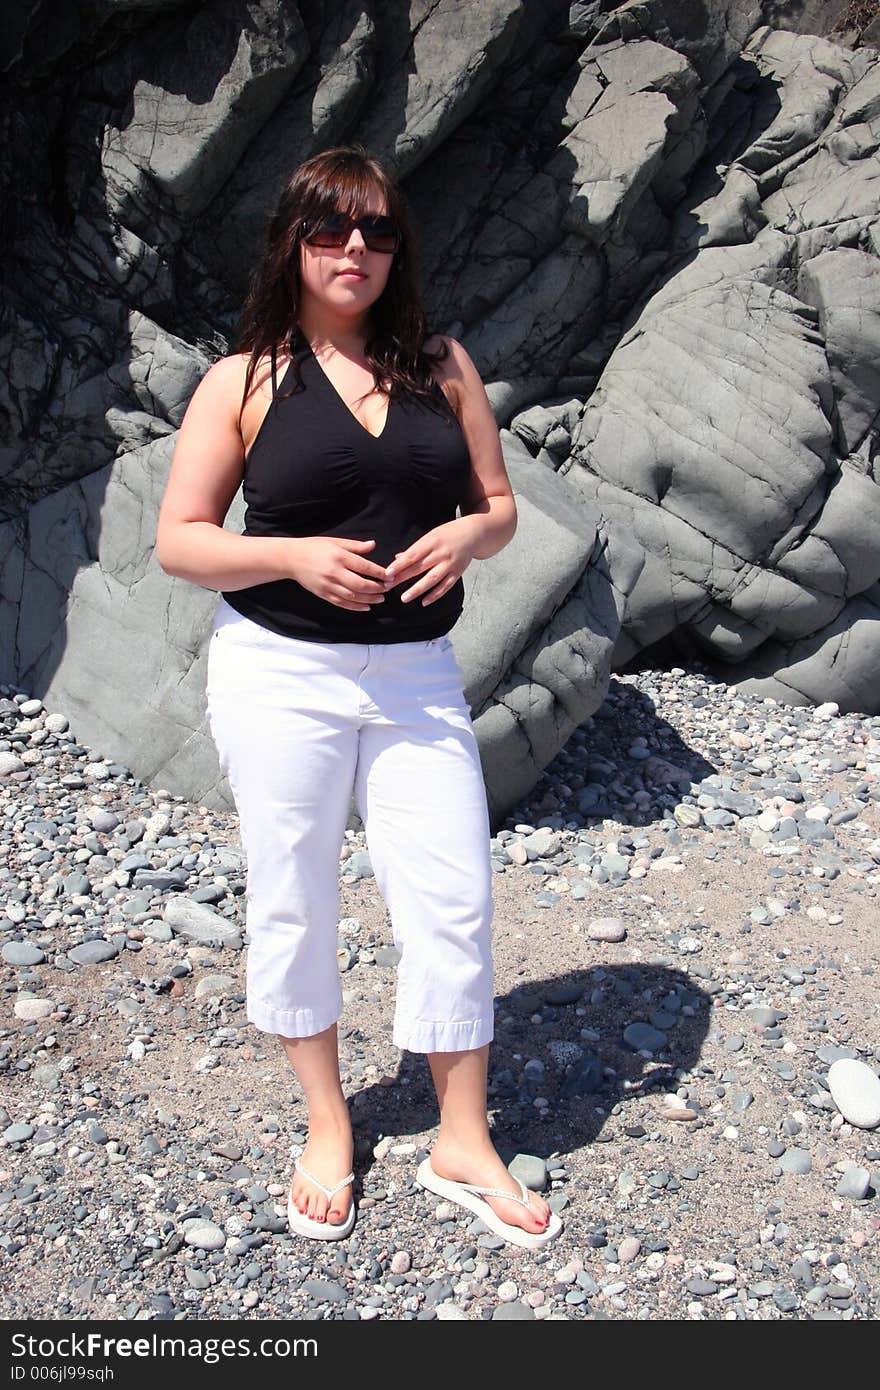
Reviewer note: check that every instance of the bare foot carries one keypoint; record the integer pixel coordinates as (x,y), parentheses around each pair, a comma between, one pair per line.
(484,1167)
(328,1154)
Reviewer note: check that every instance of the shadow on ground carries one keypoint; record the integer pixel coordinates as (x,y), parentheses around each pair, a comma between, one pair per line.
(581,1091)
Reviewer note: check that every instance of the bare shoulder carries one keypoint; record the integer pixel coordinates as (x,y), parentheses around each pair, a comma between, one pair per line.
(224,380)
(224,375)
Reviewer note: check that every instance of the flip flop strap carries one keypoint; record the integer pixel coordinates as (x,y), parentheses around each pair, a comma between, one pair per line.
(496,1192)
(328,1191)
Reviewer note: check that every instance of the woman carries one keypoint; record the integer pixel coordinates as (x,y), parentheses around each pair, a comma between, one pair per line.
(330,669)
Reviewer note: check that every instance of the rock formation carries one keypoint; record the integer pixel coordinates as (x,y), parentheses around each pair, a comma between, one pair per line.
(655,227)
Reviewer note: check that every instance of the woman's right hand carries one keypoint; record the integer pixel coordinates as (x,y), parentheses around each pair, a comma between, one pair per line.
(336,569)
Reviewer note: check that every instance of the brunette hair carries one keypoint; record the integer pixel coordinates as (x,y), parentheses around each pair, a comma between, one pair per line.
(340,180)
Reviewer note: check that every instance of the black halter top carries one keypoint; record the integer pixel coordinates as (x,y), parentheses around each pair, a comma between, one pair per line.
(315,470)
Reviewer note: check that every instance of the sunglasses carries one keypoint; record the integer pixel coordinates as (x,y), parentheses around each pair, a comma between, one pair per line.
(379,233)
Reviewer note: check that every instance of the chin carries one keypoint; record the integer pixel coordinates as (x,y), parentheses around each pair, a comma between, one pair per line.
(358,292)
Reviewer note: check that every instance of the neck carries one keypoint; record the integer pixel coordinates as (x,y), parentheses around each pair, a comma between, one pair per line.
(325,329)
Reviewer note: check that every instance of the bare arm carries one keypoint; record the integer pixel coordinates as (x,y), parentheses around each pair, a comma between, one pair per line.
(489,506)
(206,473)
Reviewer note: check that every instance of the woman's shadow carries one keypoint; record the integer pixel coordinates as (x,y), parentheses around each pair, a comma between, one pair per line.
(581,1078)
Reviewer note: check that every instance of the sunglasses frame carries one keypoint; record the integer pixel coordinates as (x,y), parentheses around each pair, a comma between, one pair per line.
(350,224)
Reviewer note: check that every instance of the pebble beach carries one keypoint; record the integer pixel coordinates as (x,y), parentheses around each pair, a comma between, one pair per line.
(685,1063)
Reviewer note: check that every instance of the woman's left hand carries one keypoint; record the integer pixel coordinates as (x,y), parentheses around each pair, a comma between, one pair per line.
(441,556)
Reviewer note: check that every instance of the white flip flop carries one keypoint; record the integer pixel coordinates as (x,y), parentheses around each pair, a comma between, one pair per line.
(467,1194)
(302,1225)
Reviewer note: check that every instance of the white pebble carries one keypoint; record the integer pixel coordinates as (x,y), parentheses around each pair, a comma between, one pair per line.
(855,1090)
(606,929)
(32,1009)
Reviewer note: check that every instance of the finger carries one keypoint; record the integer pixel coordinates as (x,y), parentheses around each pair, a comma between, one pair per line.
(405,560)
(434,594)
(423,585)
(359,593)
(350,575)
(398,573)
(366,584)
(366,590)
(359,564)
(343,598)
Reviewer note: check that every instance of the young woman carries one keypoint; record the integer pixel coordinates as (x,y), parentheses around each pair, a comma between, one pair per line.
(330,669)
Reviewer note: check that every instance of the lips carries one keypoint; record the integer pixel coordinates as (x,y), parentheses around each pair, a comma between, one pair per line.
(352,275)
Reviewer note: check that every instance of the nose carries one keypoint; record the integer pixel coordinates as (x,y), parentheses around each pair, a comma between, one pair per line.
(355,241)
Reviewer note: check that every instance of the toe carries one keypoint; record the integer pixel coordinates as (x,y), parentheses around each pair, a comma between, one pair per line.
(533,1218)
(539,1220)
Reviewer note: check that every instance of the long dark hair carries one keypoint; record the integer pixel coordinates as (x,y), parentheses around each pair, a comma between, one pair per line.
(340,180)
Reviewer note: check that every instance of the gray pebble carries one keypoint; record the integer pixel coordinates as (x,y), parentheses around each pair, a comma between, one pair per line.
(22,953)
(641,1036)
(855,1184)
(196,922)
(516,1312)
(93,952)
(796,1161)
(17,1134)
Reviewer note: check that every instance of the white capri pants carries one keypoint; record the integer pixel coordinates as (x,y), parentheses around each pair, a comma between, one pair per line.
(300,725)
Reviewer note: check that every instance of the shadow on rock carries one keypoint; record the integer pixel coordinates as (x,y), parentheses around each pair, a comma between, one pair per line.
(624,762)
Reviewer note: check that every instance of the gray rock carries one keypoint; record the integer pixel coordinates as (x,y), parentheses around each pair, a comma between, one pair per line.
(22,953)
(701,1288)
(196,922)
(762,1017)
(75,885)
(830,1053)
(176,149)
(625,232)
(325,1291)
(157,931)
(796,1161)
(641,1036)
(210,985)
(855,1184)
(93,952)
(584,1078)
(387,955)
(516,1311)
(531,1170)
(17,1134)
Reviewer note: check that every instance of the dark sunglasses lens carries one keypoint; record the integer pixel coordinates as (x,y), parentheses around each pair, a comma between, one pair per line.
(379,233)
(331,230)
